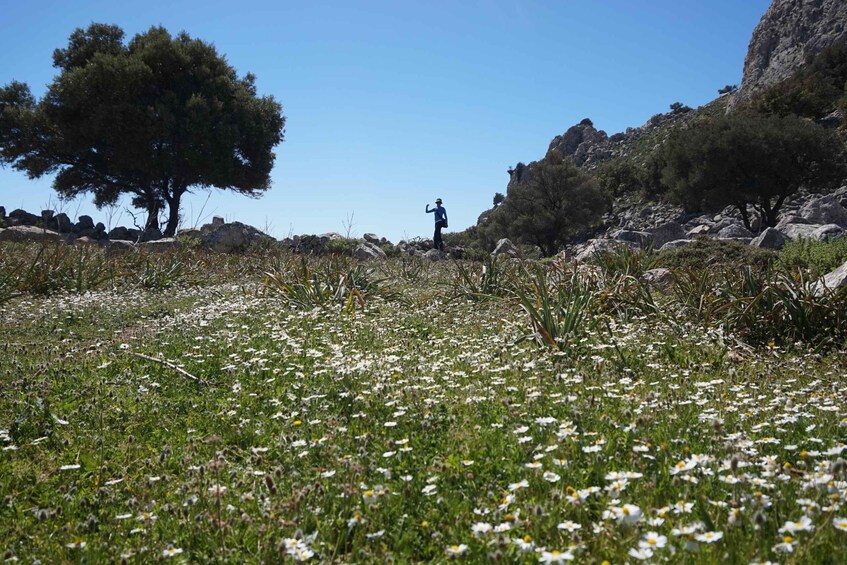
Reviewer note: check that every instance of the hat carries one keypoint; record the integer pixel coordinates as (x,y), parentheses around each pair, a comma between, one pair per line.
(438,201)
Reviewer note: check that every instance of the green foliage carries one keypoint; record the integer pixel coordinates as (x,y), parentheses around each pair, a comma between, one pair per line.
(327,282)
(617,177)
(814,91)
(498,198)
(708,254)
(749,160)
(495,278)
(626,261)
(679,108)
(561,309)
(555,203)
(817,258)
(152,118)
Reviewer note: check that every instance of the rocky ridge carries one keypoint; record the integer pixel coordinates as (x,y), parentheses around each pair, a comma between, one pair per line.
(789,33)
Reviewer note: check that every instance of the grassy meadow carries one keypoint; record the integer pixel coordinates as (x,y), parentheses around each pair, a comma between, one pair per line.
(192,407)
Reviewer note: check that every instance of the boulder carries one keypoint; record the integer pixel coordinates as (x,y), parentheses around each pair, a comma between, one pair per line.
(151,234)
(827,232)
(593,246)
(232,237)
(117,246)
(85,223)
(824,210)
(641,238)
(660,278)
(798,231)
(161,245)
(29,233)
(22,218)
(435,255)
(669,231)
(368,251)
(832,281)
(371,238)
(61,223)
(734,231)
(120,233)
(702,229)
(677,243)
(503,247)
(771,238)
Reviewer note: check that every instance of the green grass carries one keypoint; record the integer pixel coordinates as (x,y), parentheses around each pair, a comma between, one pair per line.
(410,428)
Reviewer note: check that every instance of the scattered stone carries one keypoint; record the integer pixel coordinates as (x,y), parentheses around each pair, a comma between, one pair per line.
(371,238)
(232,237)
(641,238)
(435,255)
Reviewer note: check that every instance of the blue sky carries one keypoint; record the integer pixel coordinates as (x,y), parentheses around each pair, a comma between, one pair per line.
(392,104)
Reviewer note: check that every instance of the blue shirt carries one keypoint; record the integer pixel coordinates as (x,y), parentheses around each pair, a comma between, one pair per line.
(440,213)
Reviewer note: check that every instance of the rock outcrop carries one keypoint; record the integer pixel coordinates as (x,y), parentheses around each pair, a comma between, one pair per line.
(788,34)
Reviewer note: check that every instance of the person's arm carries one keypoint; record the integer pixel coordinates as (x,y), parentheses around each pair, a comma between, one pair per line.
(428,211)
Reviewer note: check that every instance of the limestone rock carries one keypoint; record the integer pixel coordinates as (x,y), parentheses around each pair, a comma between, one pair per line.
(798,231)
(676,244)
(593,246)
(642,238)
(832,281)
(505,247)
(435,255)
(29,233)
(771,238)
(824,210)
(669,231)
(660,278)
(232,237)
(371,238)
(789,32)
(827,232)
(161,245)
(369,252)
(734,231)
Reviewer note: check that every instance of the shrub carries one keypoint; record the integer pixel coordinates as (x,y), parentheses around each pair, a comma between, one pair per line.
(707,254)
(816,258)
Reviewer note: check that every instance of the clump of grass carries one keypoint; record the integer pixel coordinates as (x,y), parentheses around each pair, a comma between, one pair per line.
(327,281)
(626,261)
(494,278)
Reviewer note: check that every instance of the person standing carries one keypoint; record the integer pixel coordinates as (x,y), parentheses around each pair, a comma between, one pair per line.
(440,222)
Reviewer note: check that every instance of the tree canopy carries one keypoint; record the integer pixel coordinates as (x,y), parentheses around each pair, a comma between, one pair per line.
(154,118)
(557,202)
(749,160)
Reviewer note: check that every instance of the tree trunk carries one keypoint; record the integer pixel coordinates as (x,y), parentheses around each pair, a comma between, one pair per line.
(173,215)
(744,215)
(152,216)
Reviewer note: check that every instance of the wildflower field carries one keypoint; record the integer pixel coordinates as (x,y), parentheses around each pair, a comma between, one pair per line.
(272,408)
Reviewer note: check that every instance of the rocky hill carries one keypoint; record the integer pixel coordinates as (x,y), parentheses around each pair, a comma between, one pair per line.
(788,35)
(790,32)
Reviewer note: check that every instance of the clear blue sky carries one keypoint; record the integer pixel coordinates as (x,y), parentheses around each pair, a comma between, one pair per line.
(391,104)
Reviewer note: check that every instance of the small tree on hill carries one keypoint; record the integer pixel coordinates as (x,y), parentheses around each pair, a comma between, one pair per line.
(749,160)
(498,198)
(153,118)
(557,202)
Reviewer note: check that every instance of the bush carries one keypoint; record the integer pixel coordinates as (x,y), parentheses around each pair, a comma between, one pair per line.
(816,258)
(710,253)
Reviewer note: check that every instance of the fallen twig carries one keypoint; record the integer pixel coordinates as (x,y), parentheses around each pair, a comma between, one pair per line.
(169,365)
